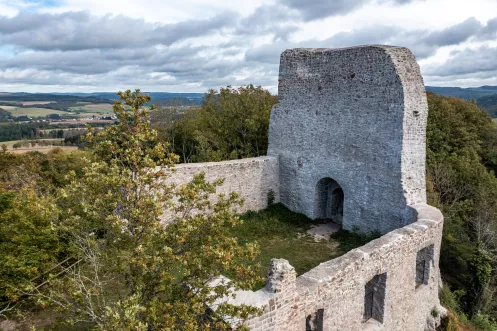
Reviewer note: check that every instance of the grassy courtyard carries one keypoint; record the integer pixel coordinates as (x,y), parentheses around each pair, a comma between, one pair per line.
(281,233)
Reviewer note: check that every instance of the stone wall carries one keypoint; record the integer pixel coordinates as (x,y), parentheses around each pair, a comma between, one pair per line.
(332,296)
(252,178)
(357,116)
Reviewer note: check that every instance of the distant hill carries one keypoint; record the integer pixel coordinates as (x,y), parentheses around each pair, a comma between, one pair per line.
(489,103)
(52,97)
(485,96)
(164,98)
(470,93)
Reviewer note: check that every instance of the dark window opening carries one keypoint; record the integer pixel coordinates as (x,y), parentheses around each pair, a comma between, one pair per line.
(374,298)
(329,200)
(314,322)
(424,258)
(336,203)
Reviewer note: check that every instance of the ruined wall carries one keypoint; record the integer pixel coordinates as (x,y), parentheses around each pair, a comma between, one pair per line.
(252,178)
(332,295)
(358,116)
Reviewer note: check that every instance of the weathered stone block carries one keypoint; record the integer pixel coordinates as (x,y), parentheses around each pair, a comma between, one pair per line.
(355,117)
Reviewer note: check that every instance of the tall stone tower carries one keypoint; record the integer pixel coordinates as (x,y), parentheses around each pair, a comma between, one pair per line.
(349,131)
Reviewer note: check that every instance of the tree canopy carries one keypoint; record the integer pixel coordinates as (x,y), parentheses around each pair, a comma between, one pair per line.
(122,267)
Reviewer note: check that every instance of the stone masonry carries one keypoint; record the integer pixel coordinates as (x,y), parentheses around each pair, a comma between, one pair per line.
(347,143)
(338,287)
(356,116)
(252,178)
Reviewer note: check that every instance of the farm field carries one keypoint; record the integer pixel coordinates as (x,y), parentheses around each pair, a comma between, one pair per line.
(32,103)
(81,121)
(41,149)
(86,115)
(8,108)
(66,129)
(99,108)
(32,112)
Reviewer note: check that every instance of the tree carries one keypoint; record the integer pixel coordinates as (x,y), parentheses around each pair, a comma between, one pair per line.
(28,246)
(4,148)
(132,271)
(238,119)
(231,124)
(461,158)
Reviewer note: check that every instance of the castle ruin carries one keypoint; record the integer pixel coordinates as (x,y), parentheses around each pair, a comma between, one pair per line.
(347,143)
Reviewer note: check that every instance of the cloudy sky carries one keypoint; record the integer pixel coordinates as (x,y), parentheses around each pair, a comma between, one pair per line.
(193,45)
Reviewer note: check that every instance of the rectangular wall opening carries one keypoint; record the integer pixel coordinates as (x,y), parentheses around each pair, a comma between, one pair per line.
(314,322)
(424,259)
(374,298)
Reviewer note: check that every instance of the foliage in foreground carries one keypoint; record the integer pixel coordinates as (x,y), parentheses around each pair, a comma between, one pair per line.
(461,160)
(121,268)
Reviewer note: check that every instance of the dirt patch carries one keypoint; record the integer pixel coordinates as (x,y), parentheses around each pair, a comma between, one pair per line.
(323,231)
(32,103)
(100,106)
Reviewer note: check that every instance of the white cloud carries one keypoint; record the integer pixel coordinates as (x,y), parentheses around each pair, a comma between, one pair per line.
(193,45)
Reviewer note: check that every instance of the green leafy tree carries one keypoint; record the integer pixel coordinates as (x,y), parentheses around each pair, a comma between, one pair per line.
(133,272)
(28,244)
(231,123)
(4,148)
(461,145)
(238,120)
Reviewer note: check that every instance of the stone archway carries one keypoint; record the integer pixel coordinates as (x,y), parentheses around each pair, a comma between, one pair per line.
(329,200)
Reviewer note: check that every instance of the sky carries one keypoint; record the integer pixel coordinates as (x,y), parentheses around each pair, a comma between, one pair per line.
(195,45)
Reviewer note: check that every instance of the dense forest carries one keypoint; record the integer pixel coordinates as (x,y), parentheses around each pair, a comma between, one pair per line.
(230,124)
(485,96)
(489,103)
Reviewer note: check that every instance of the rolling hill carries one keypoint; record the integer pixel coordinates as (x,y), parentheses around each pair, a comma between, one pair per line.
(485,96)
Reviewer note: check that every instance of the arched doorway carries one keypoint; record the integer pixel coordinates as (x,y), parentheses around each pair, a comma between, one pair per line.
(329,200)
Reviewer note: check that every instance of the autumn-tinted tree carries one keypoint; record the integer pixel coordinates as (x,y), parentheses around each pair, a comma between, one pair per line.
(134,273)
(231,123)
(461,157)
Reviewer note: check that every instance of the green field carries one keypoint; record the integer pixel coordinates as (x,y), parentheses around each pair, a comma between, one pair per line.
(99,108)
(32,112)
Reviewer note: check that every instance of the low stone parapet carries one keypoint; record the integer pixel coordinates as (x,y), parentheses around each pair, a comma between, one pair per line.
(391,283)
(251,178)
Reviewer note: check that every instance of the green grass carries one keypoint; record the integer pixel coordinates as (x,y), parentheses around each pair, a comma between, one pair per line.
(33,112)
(93,108)
(281,233)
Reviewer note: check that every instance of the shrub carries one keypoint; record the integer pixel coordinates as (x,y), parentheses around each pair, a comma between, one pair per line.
(483,322)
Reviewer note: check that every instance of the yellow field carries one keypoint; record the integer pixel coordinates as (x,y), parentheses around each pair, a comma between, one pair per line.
(32,103)
(32,112)
(8,108)
(41,149)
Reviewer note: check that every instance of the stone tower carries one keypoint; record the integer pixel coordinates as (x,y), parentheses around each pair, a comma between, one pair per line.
(349,132)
